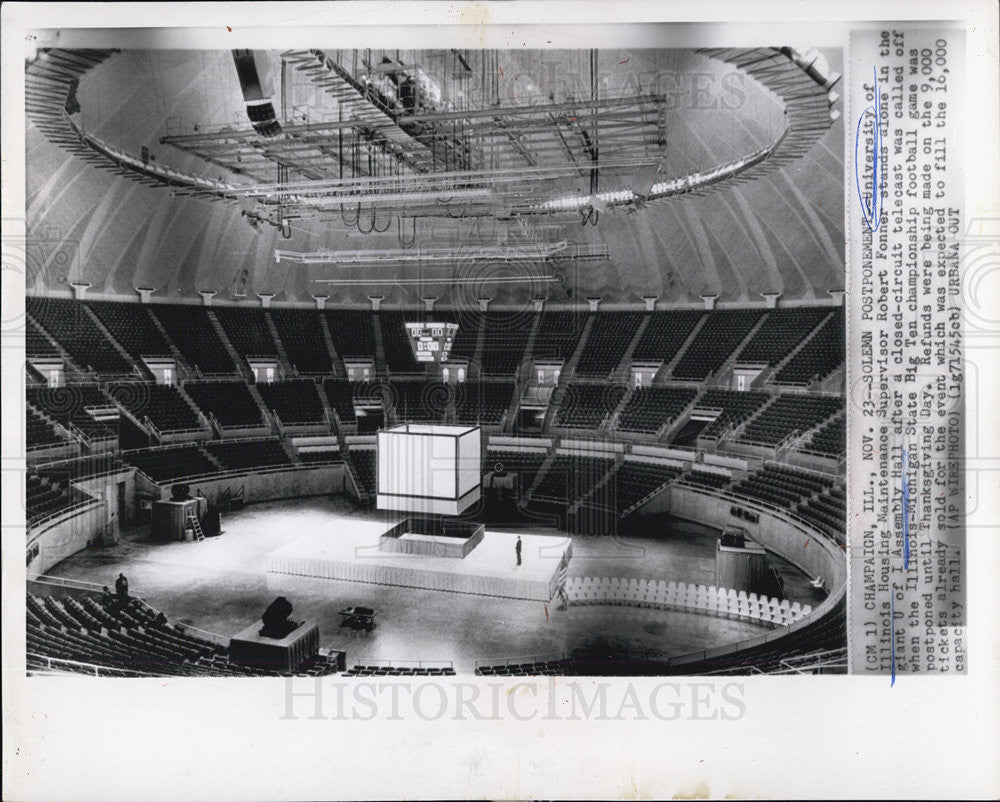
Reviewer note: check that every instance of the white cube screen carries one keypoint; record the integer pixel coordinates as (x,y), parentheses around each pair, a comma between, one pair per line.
(428,468)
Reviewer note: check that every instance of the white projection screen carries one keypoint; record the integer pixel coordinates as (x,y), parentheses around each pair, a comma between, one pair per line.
(428,468)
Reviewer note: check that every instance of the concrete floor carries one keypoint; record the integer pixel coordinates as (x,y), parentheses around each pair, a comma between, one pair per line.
(221,585)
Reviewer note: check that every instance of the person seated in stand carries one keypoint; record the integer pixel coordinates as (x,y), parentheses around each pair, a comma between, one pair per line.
(106,598)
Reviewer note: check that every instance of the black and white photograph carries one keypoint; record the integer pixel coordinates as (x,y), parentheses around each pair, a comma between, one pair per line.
(499,400)
(495,362)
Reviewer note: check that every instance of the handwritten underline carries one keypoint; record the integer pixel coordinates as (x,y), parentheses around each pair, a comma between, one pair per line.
(871,202)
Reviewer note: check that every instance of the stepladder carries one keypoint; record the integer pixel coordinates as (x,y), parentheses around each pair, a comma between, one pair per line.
(191,519)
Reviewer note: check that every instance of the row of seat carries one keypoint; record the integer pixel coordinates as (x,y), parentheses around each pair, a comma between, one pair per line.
(398,671)
(661,595)
(587,406)
(610,336)
(650,408)
(72,327)
(787,414)
(38,432)
(504,334)
(571,476)
(635,480)
(127,637)
(539,668)
(715,341)
(819,357)
(163,404)
(779,334)
(735,408)
(709,479)
(44,497)
(831,439)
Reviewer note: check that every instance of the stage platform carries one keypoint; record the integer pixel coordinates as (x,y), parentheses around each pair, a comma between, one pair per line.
(490,569)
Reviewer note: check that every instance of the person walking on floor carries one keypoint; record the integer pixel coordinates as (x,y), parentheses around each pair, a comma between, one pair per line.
(517,549)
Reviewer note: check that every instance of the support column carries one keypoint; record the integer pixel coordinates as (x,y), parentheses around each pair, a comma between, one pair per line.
(650,301)
(772,299)
(79,289)
(207,296)
(265,299)
(593,303)
(709,301)
(145,293)
(376,301)
(429,303)
(320,301)
(838,296)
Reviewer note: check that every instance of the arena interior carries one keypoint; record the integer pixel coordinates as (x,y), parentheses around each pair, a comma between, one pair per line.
(617,276)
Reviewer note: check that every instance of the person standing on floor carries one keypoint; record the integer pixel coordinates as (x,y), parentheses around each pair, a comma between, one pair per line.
(517,549)
(121,588)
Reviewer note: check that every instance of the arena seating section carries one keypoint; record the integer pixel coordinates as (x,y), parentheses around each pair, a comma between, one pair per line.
(828,511)
(819,357)
(782,486)
(132,328)
(637,479)
(192,332)
(36,344)
(69,405)
(70,470)
(240,454)
(247,330)
(294,401)
(779,334)
(790,413)
(340,395)
(650,408)
(505,338)
(47,495)
(587,406)
(229,401)
(570,477)
(161,403)
(736,407)
(715,341)
(665,334)
(131,639)
(352,332)
(70,324)
(396,342)
(419,400)
(483,402)
(831,439)
(302,338)
(522,464)
(558,334)
(173,462)
(362,461)
(609,339)
(706,479)
(40,432)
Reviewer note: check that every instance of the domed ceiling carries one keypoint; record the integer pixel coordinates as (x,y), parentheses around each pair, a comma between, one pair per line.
(503,174)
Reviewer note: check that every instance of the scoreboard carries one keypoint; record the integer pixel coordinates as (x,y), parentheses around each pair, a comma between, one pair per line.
(431,342)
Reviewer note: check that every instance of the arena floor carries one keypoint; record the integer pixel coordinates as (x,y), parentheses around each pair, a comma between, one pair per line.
(221,585)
